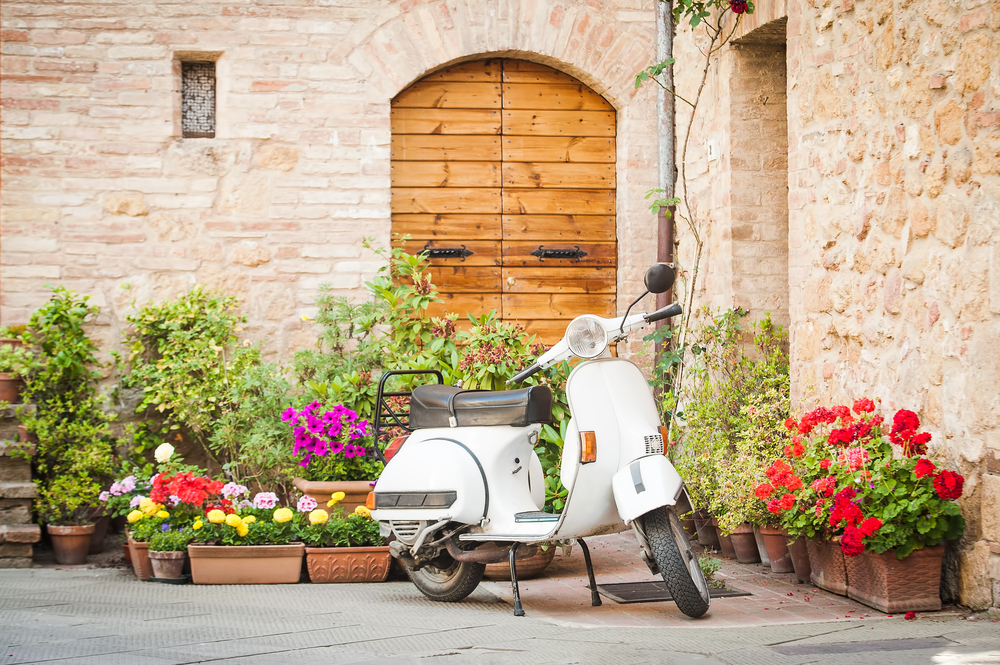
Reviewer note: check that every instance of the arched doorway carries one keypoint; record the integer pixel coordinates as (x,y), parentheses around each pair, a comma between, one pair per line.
(505,170)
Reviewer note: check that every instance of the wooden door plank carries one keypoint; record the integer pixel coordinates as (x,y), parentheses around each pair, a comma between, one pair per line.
(522,71)
(438,148)
(445,121)
(429,227)
(546,331)
(563,228)
(484,252)
(449,95)
(556,176)
(445,174)
(445,199)
(564,279)
(558,149)
(466,279)
(557,202)
(555,97)
(464,304)
(524,306)
(558,123)
(519,253)
(477,70)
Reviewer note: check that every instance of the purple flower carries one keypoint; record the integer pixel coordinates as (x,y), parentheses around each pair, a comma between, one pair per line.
(305,460)
(310,408)
(290,415)
(336,447)
(335,430)
(314,424)
(164,528)
(128,484)
(331,417)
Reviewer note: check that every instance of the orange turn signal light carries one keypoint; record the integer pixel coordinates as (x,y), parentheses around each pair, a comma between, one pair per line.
(588,447)
(370,501)
(663,434)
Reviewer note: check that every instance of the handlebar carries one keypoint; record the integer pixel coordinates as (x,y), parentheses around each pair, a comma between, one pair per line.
(524,374)
(664,313)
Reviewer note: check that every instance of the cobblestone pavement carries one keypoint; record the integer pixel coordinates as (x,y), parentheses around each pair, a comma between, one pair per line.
(105,616)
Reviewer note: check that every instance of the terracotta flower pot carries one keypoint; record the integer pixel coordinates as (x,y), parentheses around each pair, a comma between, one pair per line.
(745,544)
(140,559)
(725,542)
(348,564)
(356,491)
(246,564)
(706,534)
(888,584)
(761,548)
(777,549)
(10,387)
(127,551)
(167,565)
(97,538)
(799,552)
(826,562)
(527,568)
(71,543)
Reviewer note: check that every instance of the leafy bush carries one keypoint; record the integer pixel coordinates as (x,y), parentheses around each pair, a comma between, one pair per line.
(356,530)
(170,540)
(16,360)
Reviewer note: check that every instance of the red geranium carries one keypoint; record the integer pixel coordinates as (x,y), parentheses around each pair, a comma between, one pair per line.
(763,491)
(851,542)
(185,486)
(948,484)
(870,526)
(787,501)
(924,467)
(917,445)
(864,405)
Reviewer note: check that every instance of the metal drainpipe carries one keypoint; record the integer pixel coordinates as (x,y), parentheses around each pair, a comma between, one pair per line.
(666,141)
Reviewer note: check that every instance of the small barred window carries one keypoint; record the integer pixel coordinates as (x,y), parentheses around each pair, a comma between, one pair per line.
(198,100)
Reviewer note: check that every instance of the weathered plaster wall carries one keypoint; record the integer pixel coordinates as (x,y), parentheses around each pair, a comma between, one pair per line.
(894,225)
(101,195)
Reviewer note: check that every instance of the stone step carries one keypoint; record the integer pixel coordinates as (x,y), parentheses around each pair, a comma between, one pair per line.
(18,490)
(15,511)
(14,470)
(20,533)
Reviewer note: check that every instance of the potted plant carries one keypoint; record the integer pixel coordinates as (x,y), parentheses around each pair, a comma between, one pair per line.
(342,549)
(328,446)
(15,363)
(145,520)
(168,552)
(246,543)
(886,505)
(68,506)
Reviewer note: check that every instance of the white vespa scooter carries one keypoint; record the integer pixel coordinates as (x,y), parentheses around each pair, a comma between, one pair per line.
(466,487)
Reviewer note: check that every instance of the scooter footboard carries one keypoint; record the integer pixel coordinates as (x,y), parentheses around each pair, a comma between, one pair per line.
(645,484)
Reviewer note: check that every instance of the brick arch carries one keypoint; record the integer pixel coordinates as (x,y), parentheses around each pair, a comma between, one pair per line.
(602,52)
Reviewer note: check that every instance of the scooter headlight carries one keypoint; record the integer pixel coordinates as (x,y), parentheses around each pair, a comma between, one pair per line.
(586,337)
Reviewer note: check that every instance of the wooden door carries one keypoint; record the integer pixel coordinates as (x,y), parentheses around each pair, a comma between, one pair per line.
(505,171)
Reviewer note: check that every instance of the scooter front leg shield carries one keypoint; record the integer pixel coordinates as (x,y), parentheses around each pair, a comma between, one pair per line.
(645,484)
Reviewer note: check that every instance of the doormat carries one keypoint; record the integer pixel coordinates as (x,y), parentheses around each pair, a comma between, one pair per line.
(652,592)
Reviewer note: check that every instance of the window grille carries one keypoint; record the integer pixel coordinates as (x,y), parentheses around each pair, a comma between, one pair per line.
(198,100)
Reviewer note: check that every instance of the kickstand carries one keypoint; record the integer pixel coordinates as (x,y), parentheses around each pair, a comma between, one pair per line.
(518,610)
(595,598)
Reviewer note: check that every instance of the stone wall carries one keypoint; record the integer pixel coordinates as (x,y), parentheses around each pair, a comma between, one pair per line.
(101,194)
(893,134)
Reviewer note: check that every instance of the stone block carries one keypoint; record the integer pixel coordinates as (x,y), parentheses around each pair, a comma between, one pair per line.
(990,507)
(15,562)
(20,533)
(18,490)
(973,588)
(15,550)
(13,469)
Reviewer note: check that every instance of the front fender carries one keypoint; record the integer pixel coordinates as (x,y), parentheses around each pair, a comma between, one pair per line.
(647,483)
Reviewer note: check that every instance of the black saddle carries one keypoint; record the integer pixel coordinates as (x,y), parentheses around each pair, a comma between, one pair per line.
(448,406)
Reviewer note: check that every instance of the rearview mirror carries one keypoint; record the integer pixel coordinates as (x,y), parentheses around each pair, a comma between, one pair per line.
(660,277)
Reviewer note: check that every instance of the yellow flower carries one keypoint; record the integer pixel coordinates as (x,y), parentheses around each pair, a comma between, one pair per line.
(148,506)
(305,318)
(363,511)
(249,519)
(197,525)
(162,514)
(335,499)
(233,520)
(134,516)
(216,516)
(318,516)
(282,515)
(242,529)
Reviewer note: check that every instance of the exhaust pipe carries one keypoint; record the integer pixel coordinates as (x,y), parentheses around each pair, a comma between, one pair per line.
(489,553)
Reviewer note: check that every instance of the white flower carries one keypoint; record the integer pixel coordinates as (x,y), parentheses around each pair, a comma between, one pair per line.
(306,504)
(265,500)
(163,453)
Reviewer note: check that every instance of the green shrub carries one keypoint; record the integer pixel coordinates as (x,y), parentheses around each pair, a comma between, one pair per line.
(171,540)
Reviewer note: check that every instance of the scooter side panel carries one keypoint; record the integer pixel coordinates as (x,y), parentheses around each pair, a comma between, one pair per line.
(645,484)
(434,465)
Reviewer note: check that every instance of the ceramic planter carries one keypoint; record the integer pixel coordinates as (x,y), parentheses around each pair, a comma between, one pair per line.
(356,491)
(826,562)
(246,564)
(745,544)
(348,564)
(725,542)
(71,543)
(799,552)
(706,534)
(527,568)
(140,559)
(167,565)
(761,548)
(888,584)
(10,387)
(777,549)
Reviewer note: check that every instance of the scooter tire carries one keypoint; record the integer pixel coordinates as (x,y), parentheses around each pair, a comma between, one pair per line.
(446,580)
(678,563)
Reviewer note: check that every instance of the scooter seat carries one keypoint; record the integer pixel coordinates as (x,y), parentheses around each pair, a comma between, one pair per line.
(448,406)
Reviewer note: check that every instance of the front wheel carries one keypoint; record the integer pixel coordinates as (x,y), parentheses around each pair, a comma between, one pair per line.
(446,579)
(678,564)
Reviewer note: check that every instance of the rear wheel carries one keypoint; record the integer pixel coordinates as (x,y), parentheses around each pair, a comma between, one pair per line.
(445,579)
(677,561)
